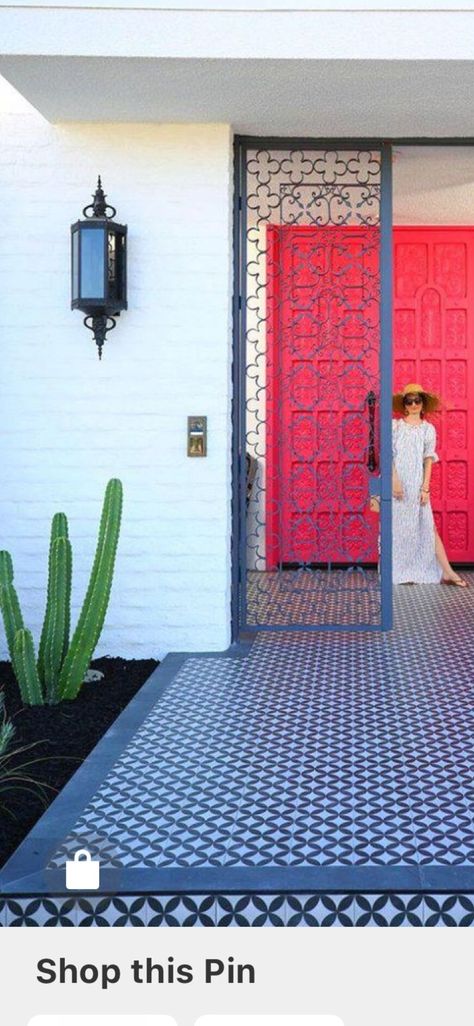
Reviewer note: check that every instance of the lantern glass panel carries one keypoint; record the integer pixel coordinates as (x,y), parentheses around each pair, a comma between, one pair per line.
(112,266)
(116,266)
(92,263)
(111,261)
(120,260)
(75,265)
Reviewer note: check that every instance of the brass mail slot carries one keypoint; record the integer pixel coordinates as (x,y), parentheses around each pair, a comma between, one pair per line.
(197,436)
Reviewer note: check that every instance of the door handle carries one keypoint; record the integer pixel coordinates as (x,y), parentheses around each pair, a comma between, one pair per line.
(371,459)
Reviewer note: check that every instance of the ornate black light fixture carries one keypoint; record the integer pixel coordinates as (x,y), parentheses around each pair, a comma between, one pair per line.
(99,267)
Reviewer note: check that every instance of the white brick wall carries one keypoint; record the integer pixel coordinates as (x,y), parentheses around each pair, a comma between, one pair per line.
(69,423)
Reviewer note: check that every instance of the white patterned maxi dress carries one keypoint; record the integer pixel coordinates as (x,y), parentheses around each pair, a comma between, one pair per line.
(412,524)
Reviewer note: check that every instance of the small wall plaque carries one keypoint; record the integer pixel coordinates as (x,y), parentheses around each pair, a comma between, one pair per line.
(197,436)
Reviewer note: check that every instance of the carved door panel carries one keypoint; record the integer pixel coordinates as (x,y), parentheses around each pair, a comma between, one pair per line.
(434,344)
(322,364)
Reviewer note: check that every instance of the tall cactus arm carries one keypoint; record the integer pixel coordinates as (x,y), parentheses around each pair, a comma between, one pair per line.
(59,529)
(11,613)
(24,664)
(92,616)
(56,624)
(6,567)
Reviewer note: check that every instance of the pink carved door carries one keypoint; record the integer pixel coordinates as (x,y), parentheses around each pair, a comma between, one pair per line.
(434,345)
(322,364)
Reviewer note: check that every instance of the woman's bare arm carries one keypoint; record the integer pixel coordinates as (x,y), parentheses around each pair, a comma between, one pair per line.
(397,489)
(425,488)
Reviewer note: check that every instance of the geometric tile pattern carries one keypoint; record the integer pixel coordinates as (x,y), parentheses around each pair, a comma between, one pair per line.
(311,597)
(314,749)
(287,910)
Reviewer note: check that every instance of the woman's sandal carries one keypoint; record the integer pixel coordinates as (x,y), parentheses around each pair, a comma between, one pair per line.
(457,583)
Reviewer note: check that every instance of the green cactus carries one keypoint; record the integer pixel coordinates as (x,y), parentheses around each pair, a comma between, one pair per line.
(24,665)
(55,634)
(59,526)
(91,619)
(6,568)
(60,669)
(11,613)
(57,619)
(9,603)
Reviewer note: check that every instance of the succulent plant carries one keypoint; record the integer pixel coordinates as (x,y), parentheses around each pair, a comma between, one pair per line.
(61,666)
(15,769)
(92,616)
(55,634)
(25,668)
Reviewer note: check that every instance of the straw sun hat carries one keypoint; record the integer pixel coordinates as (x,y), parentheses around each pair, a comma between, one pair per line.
(431,402)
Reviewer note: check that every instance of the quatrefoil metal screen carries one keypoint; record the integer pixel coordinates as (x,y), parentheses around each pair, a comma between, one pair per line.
(309,326)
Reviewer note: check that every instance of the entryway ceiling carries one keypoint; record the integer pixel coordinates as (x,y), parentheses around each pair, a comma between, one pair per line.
(257,97)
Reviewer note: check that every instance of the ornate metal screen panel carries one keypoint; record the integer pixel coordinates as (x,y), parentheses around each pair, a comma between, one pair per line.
(309,327)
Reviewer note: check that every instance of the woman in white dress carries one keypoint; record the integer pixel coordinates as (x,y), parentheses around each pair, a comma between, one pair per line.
(419,556)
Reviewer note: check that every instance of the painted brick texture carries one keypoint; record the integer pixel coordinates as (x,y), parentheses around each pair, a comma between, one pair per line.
(69,422)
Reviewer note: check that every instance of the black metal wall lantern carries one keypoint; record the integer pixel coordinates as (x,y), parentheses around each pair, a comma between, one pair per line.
(99,267)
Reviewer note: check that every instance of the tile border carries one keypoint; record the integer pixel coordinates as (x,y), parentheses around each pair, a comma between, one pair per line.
(383,909)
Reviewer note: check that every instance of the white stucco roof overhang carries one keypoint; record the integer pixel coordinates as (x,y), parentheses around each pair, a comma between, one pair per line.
(284,67)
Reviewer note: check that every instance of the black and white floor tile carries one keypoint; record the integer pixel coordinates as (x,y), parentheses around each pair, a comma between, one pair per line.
(311,597)
(312,750)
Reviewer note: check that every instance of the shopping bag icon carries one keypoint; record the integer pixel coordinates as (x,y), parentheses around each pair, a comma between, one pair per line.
(82,872)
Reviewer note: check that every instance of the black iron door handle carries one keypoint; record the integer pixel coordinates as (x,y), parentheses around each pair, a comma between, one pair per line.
(371,460)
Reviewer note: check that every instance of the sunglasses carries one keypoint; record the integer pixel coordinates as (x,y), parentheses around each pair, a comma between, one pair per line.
(415,401)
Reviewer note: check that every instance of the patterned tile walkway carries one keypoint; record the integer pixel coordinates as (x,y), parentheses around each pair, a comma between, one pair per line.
(313,753)
(312,750)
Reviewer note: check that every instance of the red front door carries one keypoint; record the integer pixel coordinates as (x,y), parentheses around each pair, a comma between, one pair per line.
(322,358)
(434,345)
(322,363)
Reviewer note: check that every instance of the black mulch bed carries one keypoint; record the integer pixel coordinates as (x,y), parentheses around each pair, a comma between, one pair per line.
(66,734)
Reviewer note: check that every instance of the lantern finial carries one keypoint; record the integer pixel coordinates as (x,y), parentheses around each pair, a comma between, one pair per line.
(99,206)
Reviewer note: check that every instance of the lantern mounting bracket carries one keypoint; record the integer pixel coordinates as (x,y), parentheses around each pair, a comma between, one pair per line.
(100,327)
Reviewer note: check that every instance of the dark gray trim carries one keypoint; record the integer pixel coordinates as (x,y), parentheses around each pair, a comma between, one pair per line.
(385,373)
(295,142)
(285,141)
(455,140)
(242,360)
(236,429)
(242,144)
(258,880)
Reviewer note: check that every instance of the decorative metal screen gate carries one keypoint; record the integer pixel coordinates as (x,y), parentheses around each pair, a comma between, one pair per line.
(312,385)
